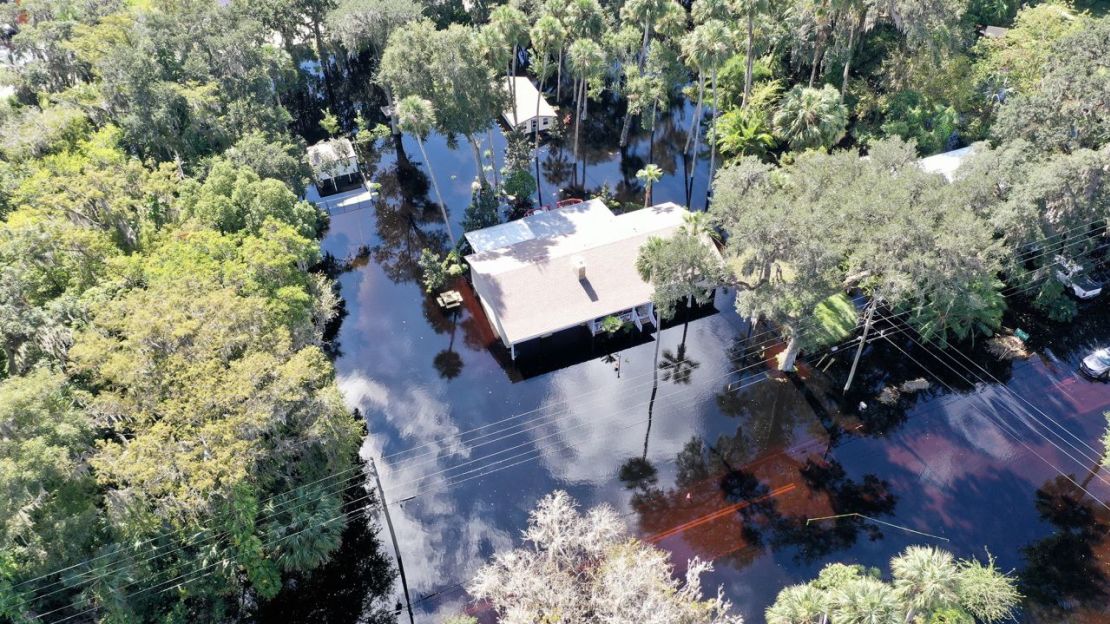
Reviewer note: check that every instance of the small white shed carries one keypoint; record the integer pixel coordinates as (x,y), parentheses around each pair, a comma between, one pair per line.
(334,160)
(525,107)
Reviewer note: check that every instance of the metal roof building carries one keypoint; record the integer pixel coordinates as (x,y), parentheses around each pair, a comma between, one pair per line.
(565,268)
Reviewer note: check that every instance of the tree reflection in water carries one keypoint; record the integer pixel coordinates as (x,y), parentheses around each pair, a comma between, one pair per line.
(755,489)
(1065,573)
(406,221)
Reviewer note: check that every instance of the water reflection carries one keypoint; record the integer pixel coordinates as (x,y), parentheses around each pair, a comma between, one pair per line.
(1065,572)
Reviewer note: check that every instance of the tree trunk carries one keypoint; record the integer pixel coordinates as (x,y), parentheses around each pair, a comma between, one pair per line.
(647,194)
(651,135)
(712,141)
(536,131)
(477,151)
(578,117)
(439,196)
(585,108)
(493,158)
(393,124)
(696,122)
(818,54)
(651,410)
(644,46)
(510,75)
(626,126)
(559,78)
(658,332)
(749,61)
(851,47)
(791,354)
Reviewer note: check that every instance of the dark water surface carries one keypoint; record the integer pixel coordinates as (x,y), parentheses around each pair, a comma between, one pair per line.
(729,461)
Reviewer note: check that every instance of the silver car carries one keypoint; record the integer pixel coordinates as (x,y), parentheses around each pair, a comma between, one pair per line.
(1097,364)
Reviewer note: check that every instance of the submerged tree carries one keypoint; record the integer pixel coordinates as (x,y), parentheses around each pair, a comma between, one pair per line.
(578,567)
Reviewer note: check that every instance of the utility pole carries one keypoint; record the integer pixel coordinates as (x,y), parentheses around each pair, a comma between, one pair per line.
(862,341)
(393,536)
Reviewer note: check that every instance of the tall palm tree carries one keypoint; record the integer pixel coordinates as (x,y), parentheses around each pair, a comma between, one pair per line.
(750,8)
(716,45)
(811,118)
(587,61)
(417,116)
(547,36)
(860,8)
(511,26)
(690,50)
(649,175)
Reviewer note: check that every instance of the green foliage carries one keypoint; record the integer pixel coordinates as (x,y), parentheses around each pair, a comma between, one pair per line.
(1017,61)
(483,209)
(744,132)
(330,123)
(437,270)
(730,79)
(234,198)
(884,225)
(1069,106)
(612,325)
(280,157)
(32,132)
(684,266)
(811,118)
(928,585)
(1053,301)
(518,184)
(48,514)
(908,115)
(836,319)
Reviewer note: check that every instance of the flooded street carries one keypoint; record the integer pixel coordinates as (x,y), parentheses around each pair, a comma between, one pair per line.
(769,476)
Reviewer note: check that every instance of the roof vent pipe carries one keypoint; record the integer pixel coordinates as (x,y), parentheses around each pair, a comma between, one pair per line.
(579,265)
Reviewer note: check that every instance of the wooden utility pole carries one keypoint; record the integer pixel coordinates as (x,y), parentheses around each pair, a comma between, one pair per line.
(393,536)
(862,341)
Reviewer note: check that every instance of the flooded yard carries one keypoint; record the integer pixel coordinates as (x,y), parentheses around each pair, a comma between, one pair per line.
(769,476)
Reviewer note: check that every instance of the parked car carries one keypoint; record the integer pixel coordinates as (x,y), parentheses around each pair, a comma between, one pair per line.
(1097,364)
(1072,276)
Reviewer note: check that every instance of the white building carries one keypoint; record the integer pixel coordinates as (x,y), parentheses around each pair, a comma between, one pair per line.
(526,118)
(945,163)
(565,268)
(333,160)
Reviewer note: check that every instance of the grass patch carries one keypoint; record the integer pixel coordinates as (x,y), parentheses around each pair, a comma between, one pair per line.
(836,319)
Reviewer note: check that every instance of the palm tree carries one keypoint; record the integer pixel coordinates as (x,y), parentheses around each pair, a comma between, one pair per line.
(745,132)
(811,118)
(750,8)
(587,61)
(649,175)
(417,116)
(799,604)
(715,41)
(511,28)
(690,49)
(866,601)
(547,35)
(925,579)
(860,7)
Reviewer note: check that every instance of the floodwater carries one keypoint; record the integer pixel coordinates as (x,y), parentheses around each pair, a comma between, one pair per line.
(769,476)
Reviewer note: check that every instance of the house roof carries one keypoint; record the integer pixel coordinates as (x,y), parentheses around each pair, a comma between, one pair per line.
(994,32)
(330,151)
(946,163)
(526,94)
(531,282)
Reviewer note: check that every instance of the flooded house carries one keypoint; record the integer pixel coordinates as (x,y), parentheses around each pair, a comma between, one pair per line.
(567,268)
(334,164)
(522,115)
